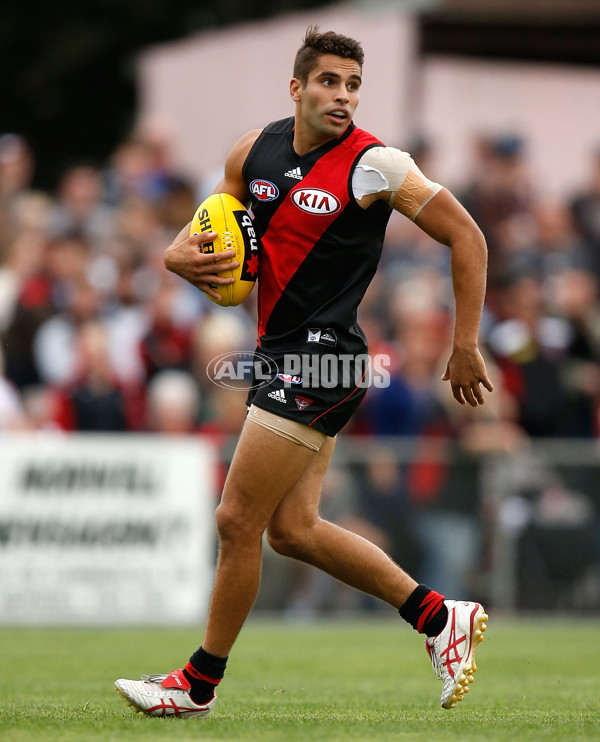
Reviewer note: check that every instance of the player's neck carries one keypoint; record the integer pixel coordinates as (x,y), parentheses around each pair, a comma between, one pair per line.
(303,145)
(306,141)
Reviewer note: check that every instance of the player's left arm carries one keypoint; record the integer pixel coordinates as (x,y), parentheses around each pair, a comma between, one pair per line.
(391,175)
(448,222)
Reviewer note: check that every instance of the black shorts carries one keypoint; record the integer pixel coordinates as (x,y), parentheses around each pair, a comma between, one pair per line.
(321,394)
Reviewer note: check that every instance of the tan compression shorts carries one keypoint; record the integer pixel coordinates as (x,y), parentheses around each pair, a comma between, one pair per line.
(301,434)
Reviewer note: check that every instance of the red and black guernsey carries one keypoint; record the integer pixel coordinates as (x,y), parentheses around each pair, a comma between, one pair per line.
(319,250)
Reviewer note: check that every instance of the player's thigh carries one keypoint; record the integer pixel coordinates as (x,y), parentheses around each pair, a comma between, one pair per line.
(265,467)
(299,508)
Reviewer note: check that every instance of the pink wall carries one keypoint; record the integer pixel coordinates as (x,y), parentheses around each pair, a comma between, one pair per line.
(210,89)
(556,109)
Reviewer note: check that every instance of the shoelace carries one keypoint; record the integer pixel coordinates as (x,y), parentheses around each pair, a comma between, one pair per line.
(153,678)
(434,662)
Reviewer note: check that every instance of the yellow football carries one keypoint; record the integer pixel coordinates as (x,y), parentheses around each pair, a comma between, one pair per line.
(225,215)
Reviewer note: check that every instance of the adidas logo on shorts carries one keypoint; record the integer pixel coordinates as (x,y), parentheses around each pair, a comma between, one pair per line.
(295,172)
(279,395)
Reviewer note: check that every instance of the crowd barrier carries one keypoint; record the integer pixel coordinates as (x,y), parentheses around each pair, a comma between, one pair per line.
(117,530)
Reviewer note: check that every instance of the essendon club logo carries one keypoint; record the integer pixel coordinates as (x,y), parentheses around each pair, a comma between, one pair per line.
(315,201)
(303,402)
(264,190)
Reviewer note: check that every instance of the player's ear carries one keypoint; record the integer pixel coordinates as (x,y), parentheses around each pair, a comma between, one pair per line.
(295,87)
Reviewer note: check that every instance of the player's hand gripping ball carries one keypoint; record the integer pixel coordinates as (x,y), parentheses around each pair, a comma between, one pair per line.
(225,215)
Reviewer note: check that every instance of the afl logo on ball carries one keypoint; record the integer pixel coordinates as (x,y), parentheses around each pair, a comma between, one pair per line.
(315,201)
(264,190)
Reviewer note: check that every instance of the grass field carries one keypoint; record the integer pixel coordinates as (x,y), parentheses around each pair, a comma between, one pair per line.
(326,681)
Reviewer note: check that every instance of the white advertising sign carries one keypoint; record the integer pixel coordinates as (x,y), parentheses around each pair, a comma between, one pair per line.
(101,529)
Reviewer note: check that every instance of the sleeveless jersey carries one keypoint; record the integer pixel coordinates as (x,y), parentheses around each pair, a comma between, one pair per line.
(319,249)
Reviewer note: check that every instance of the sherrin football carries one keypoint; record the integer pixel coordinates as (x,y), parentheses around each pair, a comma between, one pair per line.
(225,215)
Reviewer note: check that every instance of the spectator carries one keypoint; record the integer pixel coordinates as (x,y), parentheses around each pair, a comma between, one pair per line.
(585,207)
(501,194)
(80,207)
(168,342)
(135,172)
(55,342)
(548,243)
(573,295)
(16,166)
(25,303)
(94,402)
(173,403)
(532,349)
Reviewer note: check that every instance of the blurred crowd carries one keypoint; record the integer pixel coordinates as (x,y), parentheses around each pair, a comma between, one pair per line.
(95,334)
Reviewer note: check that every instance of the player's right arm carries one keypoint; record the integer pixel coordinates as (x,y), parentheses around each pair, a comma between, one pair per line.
(184,255)
(233,181)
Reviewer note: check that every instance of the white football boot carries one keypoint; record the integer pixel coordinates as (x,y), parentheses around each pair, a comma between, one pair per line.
(163,695)
(452,651)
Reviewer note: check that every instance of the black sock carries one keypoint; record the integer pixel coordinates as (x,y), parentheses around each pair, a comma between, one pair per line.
(204,672)
(425,611)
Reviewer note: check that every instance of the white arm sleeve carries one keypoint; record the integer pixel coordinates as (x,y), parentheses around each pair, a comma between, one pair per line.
(389,170)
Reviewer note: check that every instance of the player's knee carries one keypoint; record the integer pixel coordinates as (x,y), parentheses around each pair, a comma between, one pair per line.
(280,542)
(232,525)
(287,541)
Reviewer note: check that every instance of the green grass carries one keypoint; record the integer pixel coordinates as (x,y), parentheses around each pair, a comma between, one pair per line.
(326,681)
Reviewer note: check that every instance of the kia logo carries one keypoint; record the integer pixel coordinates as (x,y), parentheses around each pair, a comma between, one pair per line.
(315,201)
